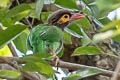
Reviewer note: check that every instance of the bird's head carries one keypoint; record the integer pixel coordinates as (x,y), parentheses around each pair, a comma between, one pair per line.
(63,17)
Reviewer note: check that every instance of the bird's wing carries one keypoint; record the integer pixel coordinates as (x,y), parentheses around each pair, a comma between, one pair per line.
(43,35)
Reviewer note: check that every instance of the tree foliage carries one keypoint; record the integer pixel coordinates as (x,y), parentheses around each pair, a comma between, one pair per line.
(18,17)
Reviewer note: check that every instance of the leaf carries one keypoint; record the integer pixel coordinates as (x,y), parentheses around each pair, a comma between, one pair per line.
(36,57)
(102,36)
(85,40)
(45,15)
(67,38)
(5,51)
(88,50)
(9,74)
(21,15)
(39,7)
(110,25)
(21,42)
(105,20)
(74,27)
(104,4)
(60,54)
(94,9)
(67,4)
(115,33)
(88,1)
(3,3)
(35,63)
(87,11)
(83,22)
(10,34)
(116,39)
(6,22)
(17,10)
(74,31)
(83,73)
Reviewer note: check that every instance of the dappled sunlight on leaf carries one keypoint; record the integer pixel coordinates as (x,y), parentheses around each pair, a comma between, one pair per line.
(9,74)
(80,74)
(87,50)
(102,36)
(5,51)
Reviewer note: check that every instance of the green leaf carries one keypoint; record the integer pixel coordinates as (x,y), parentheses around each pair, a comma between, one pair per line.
(88,50)
(104,4)
(17,10)
(115,33)
(45,15)
(10,34)
(9,74)
(21,42)
(6,22)
(85,40)
(88,1)
(5,51)
(3,3)
(83,73)
(105,20)
(83,22)
(74,27)
(67,38)
(61,52)
(36,57)
(116,38)
(110,25)
(39,7)
(67,4)
(87,11)
(35,63)
(94,9)
(102,36)
(74,30)
(21,15)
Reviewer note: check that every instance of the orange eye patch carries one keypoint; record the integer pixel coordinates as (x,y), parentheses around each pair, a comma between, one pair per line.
(65,18)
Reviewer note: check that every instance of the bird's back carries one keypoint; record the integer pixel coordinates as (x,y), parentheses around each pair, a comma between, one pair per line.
(44,35)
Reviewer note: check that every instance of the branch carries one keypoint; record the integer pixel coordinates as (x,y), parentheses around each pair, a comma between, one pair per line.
(68,65)
(117,70)
(12,49)
(73,66)
(28,75)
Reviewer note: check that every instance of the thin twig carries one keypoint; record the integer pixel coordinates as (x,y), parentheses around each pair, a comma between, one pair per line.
(25,18)
(12,49)
(117,70)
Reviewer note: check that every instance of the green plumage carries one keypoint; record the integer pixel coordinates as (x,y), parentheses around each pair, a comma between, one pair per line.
(44,35)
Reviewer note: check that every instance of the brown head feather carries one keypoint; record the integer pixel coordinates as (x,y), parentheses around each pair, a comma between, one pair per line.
(54,17)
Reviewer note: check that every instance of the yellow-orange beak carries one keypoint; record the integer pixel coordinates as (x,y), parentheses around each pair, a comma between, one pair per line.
(76,16)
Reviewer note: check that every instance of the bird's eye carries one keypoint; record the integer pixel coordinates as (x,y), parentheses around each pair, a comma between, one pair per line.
(65,16)
(63,19)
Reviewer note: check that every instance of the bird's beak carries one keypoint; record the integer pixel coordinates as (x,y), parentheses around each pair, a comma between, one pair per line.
(76,16)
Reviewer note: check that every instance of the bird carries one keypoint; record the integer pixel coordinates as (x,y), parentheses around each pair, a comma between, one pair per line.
(48,38)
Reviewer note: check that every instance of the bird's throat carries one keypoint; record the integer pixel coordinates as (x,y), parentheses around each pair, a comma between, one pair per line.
(62,26)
